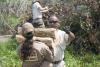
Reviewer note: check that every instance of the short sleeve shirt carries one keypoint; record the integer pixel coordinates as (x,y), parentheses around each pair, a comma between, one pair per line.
(61,43)
(36,10)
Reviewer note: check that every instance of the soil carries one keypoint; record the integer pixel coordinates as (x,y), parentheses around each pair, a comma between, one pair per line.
(5,38)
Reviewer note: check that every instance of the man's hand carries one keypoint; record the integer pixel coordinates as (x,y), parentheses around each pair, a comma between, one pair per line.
(51,8)
(70,34)
(46,8)
(67,29)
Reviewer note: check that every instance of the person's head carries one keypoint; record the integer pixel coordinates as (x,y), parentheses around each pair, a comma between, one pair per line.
(37,1)
(42,2)
(27,30)
(53,22)
(27,46)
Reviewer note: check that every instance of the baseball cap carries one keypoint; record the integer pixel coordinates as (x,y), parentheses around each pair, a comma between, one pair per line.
(27,27)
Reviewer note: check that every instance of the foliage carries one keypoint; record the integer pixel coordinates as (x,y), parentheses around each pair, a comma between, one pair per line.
(8,55)
(85,59)
(89,25)
(9,58)
(83,18)
(7,23)
(81,15)
(10,13)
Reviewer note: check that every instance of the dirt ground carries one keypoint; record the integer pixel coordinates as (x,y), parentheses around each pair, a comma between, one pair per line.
(4,38)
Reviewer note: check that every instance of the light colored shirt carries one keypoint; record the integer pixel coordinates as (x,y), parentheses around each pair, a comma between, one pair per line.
(36,10)
(61,42)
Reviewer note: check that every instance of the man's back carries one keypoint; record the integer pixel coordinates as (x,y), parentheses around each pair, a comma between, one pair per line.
(40,53)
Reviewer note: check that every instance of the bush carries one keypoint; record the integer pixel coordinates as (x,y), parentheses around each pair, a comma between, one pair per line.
(8,55)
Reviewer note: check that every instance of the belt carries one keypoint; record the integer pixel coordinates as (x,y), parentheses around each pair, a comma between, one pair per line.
(56,62)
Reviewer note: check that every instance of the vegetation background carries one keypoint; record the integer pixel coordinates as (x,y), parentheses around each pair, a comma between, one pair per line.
(83,17)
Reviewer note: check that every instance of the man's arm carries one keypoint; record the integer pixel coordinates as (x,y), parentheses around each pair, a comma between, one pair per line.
(42,9)
(45,9)
(49,55)
(20,39)
(71,36)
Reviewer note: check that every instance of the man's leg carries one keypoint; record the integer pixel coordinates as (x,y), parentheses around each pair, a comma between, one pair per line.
(38,23)
(61,64)
(46,64)
(41,23)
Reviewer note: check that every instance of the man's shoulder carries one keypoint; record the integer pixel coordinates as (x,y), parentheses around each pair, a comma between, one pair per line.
(61,31)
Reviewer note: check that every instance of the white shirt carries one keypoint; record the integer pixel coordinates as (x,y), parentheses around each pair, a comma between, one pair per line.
(36,10)
(61,41)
